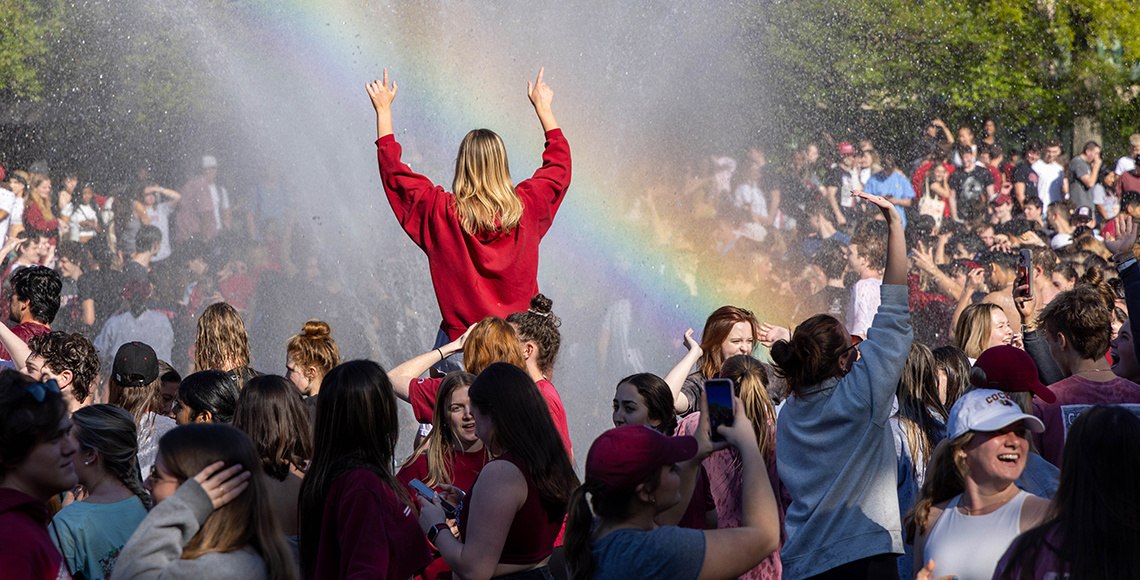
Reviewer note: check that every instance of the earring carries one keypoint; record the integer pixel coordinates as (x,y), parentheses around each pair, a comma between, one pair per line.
(86,463)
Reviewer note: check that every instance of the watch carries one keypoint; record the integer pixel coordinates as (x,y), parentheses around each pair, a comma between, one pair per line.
(433,533)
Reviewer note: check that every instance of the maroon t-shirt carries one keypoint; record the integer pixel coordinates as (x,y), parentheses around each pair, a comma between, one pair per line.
(532,535)
(465,467)
(699,504)
(367,531)
(1075,394)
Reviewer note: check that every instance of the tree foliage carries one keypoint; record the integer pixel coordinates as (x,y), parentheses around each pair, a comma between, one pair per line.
(1028,61)
(25,29)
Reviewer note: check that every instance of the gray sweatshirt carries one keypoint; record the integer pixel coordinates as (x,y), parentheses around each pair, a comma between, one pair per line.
(155,549)
(836,454)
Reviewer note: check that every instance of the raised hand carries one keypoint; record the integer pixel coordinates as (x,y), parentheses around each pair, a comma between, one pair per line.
(225,485)
(924,257)
(883,203)
(381,92)
(691,343)
(1125,235)
(769,334)
(975,278)
(539,93)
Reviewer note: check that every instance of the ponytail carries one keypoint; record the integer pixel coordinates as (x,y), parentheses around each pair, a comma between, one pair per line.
(111,431)
(612,507)
(812,354)
(579,525)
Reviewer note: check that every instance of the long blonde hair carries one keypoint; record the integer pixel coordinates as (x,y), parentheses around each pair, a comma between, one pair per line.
(974,327)
(751,381)
(485,197)
(222,343)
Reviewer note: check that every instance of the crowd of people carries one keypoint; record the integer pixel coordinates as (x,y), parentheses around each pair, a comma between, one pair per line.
(957,398)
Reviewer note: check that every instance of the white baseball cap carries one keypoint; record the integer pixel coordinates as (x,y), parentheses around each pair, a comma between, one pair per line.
(987,410)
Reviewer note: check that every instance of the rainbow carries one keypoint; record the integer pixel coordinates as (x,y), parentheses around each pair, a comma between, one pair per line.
(297,69)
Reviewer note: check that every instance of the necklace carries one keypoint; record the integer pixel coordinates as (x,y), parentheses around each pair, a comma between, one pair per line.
(1090,371)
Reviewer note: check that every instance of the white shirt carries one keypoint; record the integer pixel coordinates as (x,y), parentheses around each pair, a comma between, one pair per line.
(1049,180)
(8,204)
(221,199)
(865,301)
(1124,165)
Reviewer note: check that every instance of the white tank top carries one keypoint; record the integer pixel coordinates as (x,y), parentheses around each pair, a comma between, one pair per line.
(969,547)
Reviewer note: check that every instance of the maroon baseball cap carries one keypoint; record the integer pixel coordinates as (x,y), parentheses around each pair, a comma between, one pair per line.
(1010,369)
(1001,199)
(846,148)
(623,457)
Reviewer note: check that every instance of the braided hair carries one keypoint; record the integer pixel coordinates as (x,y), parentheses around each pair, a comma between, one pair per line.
(111,431)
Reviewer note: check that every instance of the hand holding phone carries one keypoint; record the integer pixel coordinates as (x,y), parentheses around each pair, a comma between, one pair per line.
(431,495)
(719,393)
(1024,278)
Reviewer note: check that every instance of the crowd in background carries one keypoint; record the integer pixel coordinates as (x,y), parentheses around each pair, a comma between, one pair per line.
(956,397)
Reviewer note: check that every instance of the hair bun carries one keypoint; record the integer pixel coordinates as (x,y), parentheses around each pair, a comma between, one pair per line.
(316,329)
(541,304)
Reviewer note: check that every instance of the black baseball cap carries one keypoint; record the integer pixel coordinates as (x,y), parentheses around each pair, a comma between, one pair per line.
(135,365)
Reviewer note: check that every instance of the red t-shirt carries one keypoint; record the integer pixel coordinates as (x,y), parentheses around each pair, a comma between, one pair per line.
(368,532)
(422,394)
(465,467)
(920,175)
(1074,395)
(490,273)
(25,331)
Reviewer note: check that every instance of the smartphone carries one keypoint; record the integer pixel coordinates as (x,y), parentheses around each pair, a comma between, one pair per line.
(719,393)
(1024,273)
(430,494)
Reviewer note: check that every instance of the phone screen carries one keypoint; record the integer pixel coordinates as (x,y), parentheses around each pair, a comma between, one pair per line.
(719,392)
(429,493)
(1024,273)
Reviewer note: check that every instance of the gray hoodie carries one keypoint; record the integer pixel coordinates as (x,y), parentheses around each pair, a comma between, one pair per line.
(836,454)
(155,549)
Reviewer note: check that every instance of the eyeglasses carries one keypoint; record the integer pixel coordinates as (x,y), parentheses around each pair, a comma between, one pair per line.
(40,390)
(156,477)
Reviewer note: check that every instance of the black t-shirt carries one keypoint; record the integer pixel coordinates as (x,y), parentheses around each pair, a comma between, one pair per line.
(971,185)
(1023,173)
(106,289)
(834,301)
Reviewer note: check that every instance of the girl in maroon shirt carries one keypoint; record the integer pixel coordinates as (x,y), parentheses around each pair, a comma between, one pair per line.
(509,522)
(355,516)
(451,457)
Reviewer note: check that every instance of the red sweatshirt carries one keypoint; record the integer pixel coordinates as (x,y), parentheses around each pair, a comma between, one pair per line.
(490,273)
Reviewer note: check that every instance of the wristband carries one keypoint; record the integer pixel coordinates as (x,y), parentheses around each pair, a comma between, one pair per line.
(433,533)
(1121,266)
(441,357)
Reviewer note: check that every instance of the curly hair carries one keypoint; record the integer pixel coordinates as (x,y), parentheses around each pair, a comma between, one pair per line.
(540,325)
(314,347)
(222,342)
(67,351)
(40,286)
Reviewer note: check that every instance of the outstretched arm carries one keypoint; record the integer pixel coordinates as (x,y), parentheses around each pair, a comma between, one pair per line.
(382,94)
(540,96)
(676,377)
(409,370)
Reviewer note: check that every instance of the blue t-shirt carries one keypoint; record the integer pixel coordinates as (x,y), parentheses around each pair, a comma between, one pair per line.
(895,185)
(667,552)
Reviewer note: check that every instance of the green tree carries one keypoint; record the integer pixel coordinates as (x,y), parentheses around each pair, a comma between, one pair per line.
(25,27)
(1027,61)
